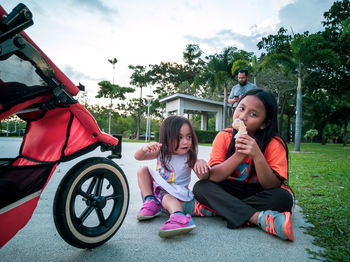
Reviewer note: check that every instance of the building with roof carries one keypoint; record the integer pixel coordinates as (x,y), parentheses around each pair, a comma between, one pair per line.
(180,104)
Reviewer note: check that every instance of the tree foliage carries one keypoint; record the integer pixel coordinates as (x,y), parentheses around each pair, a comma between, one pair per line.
(279,43)
(307,54)
(139,78)
(309,73)
(171,77)
(112,91)
(282,84)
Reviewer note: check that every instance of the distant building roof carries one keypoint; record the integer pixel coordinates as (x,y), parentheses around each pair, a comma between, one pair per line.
(199,99)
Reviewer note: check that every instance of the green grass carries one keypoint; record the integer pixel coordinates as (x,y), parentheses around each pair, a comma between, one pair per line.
(133,140)
(320,179)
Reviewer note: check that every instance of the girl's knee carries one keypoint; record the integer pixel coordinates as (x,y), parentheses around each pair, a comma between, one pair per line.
(143,171)
(284,200)
(200,187)
(168,197)
(288,200)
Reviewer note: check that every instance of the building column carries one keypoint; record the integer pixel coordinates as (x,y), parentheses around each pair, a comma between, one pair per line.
(180,107)
(204,121)
(218,125)
(167,110)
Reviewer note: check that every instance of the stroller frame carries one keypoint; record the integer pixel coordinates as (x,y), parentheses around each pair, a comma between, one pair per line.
(58,129)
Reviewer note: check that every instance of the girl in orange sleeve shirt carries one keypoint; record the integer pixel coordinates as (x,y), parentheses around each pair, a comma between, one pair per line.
(248,175)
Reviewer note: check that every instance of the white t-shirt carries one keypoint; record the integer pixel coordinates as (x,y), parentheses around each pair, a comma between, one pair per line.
(174,177)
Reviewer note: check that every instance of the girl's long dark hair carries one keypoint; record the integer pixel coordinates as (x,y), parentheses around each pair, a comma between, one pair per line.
(169,137)
(263,136)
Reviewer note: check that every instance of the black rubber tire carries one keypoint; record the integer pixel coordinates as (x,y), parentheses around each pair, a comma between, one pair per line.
(103,207)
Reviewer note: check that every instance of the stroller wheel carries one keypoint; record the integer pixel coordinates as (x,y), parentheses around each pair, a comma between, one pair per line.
(91,202)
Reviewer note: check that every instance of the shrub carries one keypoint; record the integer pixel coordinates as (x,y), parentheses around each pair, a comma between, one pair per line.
(203,136)
(206,136)
(156,135)
(310,134)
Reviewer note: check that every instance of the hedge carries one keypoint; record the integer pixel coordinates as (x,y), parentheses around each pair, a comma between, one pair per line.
(202,135)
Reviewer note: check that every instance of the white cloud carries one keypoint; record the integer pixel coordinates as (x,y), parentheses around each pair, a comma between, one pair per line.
(303,15)
(81,35)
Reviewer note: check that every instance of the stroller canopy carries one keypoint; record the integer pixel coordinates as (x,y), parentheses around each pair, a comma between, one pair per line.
(25,70)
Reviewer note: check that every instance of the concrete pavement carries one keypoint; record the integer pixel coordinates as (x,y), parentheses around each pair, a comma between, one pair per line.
(139,241)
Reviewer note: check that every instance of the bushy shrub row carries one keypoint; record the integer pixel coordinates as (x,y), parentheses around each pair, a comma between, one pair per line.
(206,136)
(203,136)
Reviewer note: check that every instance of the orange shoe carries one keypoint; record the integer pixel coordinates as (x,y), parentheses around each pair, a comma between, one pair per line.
(276,223)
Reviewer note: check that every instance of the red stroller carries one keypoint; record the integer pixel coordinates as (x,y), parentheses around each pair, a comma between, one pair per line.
(92,199)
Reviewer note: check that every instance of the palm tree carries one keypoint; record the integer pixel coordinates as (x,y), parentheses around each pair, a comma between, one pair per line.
(219,74)
(112,91)
(305,49)
(254,67)
(247,63)
(139,78)
(113,62)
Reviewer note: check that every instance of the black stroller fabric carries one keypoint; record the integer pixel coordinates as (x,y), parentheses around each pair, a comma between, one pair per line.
(17,182)
(13,93)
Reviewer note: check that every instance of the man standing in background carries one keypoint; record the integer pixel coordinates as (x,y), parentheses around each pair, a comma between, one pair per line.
(241,88)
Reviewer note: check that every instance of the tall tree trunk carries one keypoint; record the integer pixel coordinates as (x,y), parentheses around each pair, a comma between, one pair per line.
(345,138)
(289,130)
(139,116)
(281,104)
(323,134)
(254,65)
(298,114)
(225,107)
(109,117)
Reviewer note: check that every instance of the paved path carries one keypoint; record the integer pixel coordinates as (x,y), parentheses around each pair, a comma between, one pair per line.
(136,241)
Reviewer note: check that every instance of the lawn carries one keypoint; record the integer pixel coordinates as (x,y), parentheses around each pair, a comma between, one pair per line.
(320,179)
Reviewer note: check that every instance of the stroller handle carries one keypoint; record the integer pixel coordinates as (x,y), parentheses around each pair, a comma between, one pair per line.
(19,19)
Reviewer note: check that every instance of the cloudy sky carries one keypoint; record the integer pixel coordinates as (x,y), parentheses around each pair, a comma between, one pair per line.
(81,35)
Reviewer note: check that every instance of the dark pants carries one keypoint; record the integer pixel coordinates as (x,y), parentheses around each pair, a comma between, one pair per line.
(237,201)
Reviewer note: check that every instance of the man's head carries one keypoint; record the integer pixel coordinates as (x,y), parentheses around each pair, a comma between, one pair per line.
(242,77)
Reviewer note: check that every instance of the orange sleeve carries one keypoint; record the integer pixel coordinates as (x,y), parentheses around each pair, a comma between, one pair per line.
(276,158)
(219,148)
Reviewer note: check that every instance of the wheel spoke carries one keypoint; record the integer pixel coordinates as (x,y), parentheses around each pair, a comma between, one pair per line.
(92,185)
(101,217)
(84,194)
(85,215)
(113,197)
(98,189)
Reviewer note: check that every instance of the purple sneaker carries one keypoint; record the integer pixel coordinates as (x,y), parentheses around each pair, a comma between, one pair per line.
(176,225)
(150,209)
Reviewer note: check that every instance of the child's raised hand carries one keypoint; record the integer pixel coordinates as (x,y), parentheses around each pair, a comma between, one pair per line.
(247,145)
(202,169)
(152,147)
(148,152)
